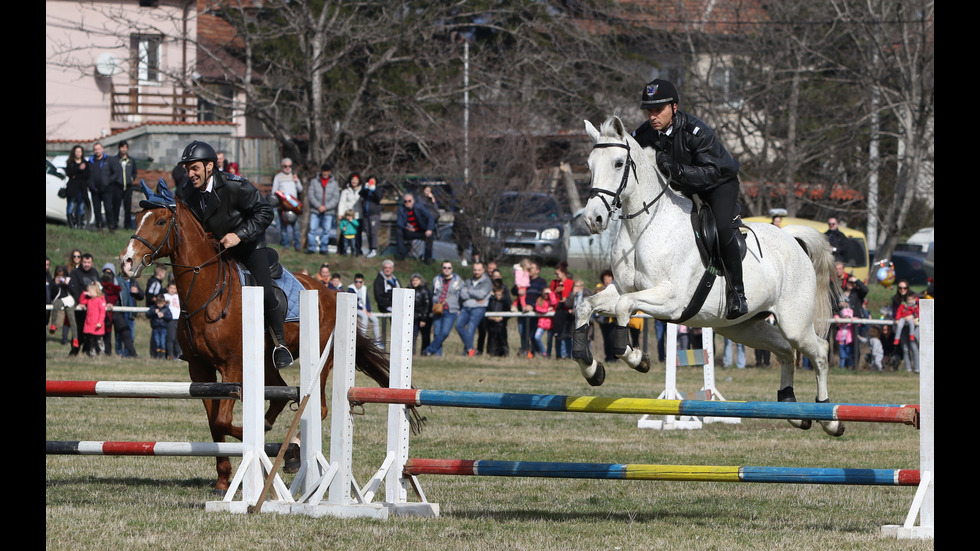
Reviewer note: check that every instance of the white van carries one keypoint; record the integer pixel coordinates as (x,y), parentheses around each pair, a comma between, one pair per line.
(920,240)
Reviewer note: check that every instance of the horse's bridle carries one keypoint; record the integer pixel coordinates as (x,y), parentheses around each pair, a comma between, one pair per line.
(147,259)
(172,232)
(617,201)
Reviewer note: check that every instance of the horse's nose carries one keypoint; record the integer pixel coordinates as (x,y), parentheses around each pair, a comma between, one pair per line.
(127,266)
(596,224)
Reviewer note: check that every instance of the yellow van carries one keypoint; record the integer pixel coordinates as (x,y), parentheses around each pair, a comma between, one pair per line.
(855,256)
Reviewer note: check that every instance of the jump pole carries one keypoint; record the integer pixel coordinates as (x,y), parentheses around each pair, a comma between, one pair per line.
(922,503)
(148,389)
(255,463)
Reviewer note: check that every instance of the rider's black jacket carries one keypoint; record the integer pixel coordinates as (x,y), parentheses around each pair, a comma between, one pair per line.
(704,163)
(235,206)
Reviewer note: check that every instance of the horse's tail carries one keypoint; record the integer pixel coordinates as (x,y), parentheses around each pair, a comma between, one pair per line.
(821,255)
(373,362)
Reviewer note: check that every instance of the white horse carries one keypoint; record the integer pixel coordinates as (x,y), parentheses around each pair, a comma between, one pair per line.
(656,268)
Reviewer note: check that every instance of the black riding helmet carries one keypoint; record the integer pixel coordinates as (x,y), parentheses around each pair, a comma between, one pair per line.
(198,151)
(658,92)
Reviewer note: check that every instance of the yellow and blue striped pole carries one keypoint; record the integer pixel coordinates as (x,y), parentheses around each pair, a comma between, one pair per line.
(634,471)
(875,413)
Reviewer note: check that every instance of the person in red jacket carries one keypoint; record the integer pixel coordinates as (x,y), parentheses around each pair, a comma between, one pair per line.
(94,328)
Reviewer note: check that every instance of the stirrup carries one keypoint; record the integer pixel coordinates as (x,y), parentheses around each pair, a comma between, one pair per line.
(281,356)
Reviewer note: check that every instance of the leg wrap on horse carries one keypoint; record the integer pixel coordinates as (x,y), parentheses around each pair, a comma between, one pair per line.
(580,344)
(621,340)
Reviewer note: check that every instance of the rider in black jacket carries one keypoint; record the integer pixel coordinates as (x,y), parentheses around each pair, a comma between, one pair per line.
(696,163)
(232,210)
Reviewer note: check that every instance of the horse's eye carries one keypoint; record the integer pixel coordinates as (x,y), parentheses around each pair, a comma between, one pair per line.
(619,164)
(161,222)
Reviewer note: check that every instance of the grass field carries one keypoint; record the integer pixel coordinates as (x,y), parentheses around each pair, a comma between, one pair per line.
(136,503)
(144,503)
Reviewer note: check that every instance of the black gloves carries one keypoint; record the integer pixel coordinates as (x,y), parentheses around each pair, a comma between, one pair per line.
(668,166)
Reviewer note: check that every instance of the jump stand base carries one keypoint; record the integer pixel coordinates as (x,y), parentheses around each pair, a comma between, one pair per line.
(380,511)
(914,533)
(684,423)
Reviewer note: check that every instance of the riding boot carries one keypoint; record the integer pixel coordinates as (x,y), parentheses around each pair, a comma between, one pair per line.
(281,356)
(736,305)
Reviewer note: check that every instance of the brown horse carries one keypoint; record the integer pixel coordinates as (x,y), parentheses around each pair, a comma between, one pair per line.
(210,324)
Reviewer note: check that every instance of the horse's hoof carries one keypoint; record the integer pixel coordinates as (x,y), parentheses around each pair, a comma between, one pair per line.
(804,424)
(838,432)
(219,492)
(598,377)
(291,460)
(644,365)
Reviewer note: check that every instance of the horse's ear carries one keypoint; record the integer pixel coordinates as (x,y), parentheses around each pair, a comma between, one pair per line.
(161,198)
(618,127)
(592,131)
(164,192)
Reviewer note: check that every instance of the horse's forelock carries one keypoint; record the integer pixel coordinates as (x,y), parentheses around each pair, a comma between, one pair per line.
(613,128)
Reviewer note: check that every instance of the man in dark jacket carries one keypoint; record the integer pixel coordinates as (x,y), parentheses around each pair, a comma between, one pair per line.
(232,210)
(696,163)
(413,223)
(105,183)
(837,240)
(127,171)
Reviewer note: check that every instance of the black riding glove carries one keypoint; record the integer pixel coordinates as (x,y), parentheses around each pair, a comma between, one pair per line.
(669,166)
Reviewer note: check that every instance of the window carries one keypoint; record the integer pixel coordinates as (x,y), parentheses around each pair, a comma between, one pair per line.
(146,53)
(724,84)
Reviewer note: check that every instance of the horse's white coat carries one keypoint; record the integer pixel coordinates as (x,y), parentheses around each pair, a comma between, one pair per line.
(656,266)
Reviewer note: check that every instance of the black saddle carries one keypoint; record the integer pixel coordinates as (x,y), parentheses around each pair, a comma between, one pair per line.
(706,234)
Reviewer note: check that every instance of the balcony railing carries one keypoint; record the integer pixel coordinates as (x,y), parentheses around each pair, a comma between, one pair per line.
(152,104)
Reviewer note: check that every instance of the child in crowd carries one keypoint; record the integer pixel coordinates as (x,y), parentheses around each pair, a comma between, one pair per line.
(173,301)
(160,318)
(94,329)
(907,315)
(845,335)
(348,233)
(520,305)
(497,325)
(877,354)
(544,305)
(336,282)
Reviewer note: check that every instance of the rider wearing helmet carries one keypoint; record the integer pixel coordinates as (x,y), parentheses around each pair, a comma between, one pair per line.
(695,162)
(231,209)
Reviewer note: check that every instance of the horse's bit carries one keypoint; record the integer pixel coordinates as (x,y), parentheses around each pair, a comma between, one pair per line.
(617,201)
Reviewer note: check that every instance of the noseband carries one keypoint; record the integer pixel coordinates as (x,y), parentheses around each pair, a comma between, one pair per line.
(617,201)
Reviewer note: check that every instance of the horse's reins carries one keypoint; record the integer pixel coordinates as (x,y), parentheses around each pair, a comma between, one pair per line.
(617,201)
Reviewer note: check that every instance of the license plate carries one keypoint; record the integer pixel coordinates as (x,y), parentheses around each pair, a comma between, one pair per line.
(517,250)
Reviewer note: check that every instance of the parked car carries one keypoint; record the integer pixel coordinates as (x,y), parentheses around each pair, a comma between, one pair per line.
(55,206)
(910,266)
(528,224)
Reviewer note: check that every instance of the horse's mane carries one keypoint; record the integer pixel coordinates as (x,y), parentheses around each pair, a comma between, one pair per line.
(183,211)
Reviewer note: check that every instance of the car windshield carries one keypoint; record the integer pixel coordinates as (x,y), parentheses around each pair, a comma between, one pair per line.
(527,208)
